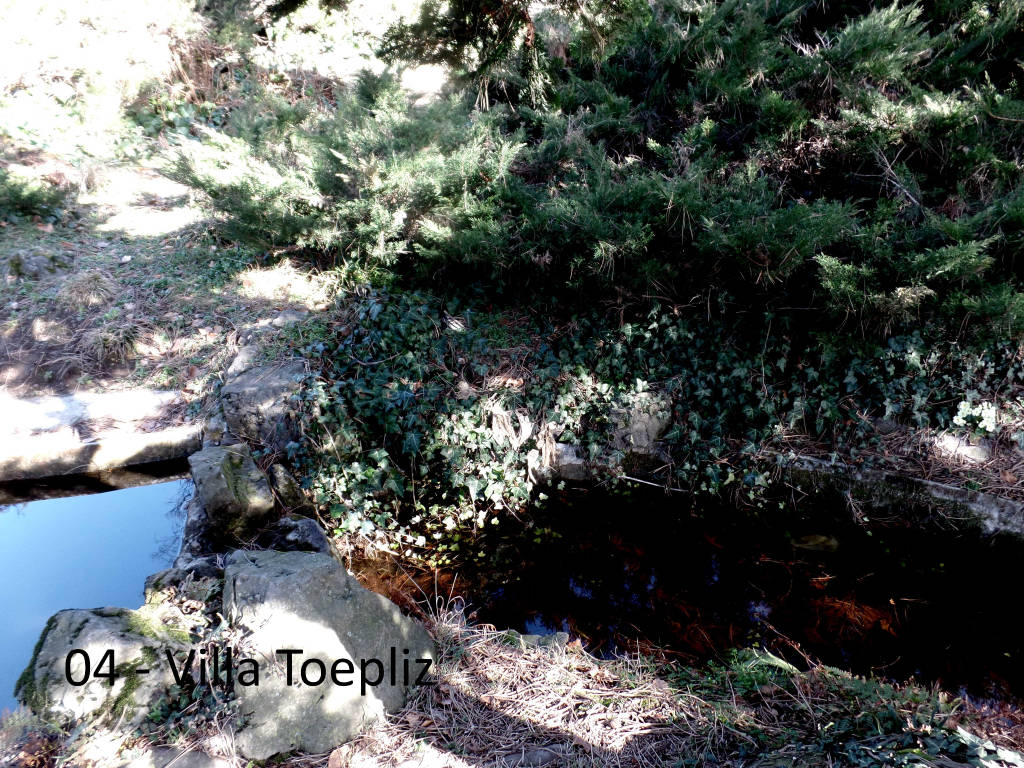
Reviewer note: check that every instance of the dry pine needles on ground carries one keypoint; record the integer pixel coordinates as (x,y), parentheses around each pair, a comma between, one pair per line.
(498,702)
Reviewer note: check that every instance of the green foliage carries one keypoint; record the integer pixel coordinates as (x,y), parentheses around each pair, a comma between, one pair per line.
(480,40)
(470,36)
(884,46)
(270,204)
(785,152)
(417,434)
(23,198)
(825,716)
(785,217)
(361,181)
(162,111)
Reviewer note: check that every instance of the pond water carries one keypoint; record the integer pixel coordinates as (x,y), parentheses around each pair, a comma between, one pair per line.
(894,598)
(82,551)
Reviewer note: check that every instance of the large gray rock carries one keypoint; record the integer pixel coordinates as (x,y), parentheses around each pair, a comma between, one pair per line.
(256,403)
(233,492)
(35,263)
(303,600)
(199,537)
(138,639)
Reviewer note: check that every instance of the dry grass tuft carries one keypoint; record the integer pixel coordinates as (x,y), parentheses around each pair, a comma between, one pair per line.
(285,283)
(89,288)
(113,340)
(200,70)
(498,703)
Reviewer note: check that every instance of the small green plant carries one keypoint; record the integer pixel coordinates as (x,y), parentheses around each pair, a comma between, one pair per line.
(979,417)
(164,111)
(824,715)
(22,198)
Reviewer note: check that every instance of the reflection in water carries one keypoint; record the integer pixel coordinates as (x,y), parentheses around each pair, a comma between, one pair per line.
(169,544)
(18,491)
(80,552)
(899,598)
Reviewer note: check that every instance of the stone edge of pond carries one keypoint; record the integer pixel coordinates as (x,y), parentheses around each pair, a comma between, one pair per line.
(92,432)
(966,508)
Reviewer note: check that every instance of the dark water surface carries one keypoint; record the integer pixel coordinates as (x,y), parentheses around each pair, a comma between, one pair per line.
(79,552)
(895,598)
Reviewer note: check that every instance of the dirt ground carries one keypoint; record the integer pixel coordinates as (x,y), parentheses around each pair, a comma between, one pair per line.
(132,288)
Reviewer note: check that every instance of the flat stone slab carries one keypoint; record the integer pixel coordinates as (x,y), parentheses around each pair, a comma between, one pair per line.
(91,432)
(64,453)
(307,602)
(85,410)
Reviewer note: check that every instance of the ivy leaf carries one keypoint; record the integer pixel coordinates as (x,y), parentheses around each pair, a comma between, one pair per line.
(474,485)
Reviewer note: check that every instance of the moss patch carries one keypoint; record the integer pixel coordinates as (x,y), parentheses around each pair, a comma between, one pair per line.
(25,689)
(148,626)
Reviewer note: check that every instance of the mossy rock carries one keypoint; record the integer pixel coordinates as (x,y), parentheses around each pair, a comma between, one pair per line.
(234,493)
(136,639)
